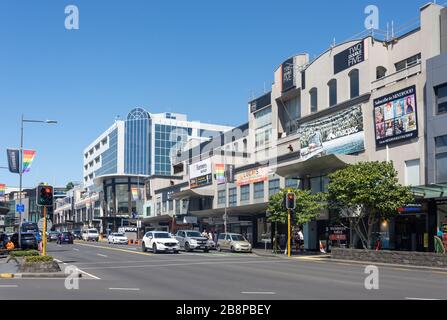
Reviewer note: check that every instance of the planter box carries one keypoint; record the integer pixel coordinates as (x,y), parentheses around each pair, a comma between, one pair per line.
(36,267)
(427,259)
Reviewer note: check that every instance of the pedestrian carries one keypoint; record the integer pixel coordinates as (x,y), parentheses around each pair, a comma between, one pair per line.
(301,240)
(204,233)
(39,242)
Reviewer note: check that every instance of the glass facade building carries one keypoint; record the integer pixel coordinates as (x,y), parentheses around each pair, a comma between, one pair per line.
(138,143)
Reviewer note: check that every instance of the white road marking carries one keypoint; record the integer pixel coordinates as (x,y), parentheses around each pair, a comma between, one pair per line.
(428,299)
(75,249)
(89,274)
(258,292)
(59,261)
(8,286)
(126,289)
(102,255)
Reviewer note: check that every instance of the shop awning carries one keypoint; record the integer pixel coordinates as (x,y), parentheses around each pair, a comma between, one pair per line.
(248,210)
(431,191)
(193,193)
(156,219)
(317,165)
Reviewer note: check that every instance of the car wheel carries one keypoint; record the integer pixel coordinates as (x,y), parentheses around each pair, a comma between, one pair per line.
(232,249)
(187,247)
(218,248)
(206,250)
(176,251)
(143,247)
(154,248)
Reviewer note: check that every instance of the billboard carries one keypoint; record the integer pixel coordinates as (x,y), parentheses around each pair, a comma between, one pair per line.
(200,174)
(287,75)
(252,176)
(395,116)
(338,133)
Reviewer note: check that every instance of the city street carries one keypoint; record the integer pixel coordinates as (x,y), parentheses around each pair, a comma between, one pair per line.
(124,272)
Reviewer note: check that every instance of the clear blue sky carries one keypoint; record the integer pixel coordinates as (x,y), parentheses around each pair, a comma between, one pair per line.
(199,57)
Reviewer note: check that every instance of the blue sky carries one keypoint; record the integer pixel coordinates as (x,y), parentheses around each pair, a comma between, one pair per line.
(204,58)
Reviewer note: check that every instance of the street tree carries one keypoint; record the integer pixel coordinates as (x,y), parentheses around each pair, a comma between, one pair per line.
(366,193)
(69,186)
(308,206)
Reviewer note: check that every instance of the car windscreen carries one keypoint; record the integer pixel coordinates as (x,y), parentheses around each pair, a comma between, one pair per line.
(161,235)
(66,233)
(93,231)
(237,237)
(118,235)
(193,234)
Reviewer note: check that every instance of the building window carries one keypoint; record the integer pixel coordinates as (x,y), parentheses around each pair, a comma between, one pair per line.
(412,172)
(332,86)
(273,187)
(221,197)
(441,98)
(263,126)
(258,190)
(232,197)
(354,83)
(380,72)
(401,65)
(293,183)
(441,167)
(316,185)
(245,192)
(292,110)
(313,100)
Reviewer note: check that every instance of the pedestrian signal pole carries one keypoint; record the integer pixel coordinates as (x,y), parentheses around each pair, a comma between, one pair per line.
(44,199)
(44,232)
(290,205)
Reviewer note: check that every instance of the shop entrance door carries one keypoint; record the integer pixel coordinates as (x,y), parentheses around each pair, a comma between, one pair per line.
(410,230)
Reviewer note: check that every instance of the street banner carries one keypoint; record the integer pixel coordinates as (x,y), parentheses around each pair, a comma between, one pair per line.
(2,192)
(229,173)
(135,194)
(219,169)
(252,176)
(28,157)
(13,160)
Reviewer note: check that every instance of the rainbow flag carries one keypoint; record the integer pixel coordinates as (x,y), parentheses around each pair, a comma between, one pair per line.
(28,157)
(219,169)
(135,194)
(2,190)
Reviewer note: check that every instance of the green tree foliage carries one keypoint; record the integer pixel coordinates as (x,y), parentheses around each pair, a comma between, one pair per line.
(365,193)
(308,206)
(69,186)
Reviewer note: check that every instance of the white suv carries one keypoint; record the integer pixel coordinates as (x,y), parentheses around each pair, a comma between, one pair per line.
(159,241)
(90,235)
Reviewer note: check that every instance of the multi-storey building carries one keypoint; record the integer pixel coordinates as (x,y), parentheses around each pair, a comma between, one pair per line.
(360,100)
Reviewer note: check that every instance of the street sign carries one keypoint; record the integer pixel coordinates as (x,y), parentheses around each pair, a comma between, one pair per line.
(40,224)
(138,223)
(20,208)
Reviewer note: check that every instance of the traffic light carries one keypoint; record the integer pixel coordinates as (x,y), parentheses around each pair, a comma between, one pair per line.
(290,200)
(45,196)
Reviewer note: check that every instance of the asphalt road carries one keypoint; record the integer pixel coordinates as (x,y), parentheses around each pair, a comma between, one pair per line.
(123,272)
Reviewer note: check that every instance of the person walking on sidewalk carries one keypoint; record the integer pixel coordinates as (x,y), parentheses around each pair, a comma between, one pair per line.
(39,242)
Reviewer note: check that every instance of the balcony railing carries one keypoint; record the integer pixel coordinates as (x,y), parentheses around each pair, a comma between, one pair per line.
(397,76)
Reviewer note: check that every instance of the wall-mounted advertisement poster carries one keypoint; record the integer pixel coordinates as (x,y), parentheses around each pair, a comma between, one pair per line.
(288,75)
(395,116)
(200,174)
(338,133)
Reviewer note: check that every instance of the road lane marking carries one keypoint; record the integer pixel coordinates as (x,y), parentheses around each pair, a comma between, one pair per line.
(125,289)
(115,249)
(8,286)
(102,255)
(75,249)
(59,261)
(427,299)
(89,274)
(258,292)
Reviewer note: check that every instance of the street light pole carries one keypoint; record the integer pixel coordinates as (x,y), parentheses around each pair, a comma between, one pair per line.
(22,121)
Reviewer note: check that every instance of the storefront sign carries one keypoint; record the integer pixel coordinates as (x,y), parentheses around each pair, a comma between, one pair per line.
(190,220)
(338,133)
(288,75)
(252,176)
(337,233)
(411,208)
(395,116)
(200,174)
(349,57)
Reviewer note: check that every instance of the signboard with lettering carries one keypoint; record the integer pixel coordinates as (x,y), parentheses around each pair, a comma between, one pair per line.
(288,75)
(252,176)
(349,57)
(395,116)
(337,233)
(13,160)
(200,174)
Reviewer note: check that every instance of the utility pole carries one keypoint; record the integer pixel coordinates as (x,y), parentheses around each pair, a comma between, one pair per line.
(289,226)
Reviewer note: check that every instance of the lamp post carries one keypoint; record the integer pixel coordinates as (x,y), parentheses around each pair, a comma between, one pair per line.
(21,164)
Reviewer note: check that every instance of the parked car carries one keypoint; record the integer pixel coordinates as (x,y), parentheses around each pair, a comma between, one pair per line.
(90,235)
(53,236)
(65,237)
(159,241)
(212,244)
(192,240)
(77,234)
(117,237)
(234,242)
(28,240)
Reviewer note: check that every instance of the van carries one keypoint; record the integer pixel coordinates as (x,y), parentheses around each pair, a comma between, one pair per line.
(90,235)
